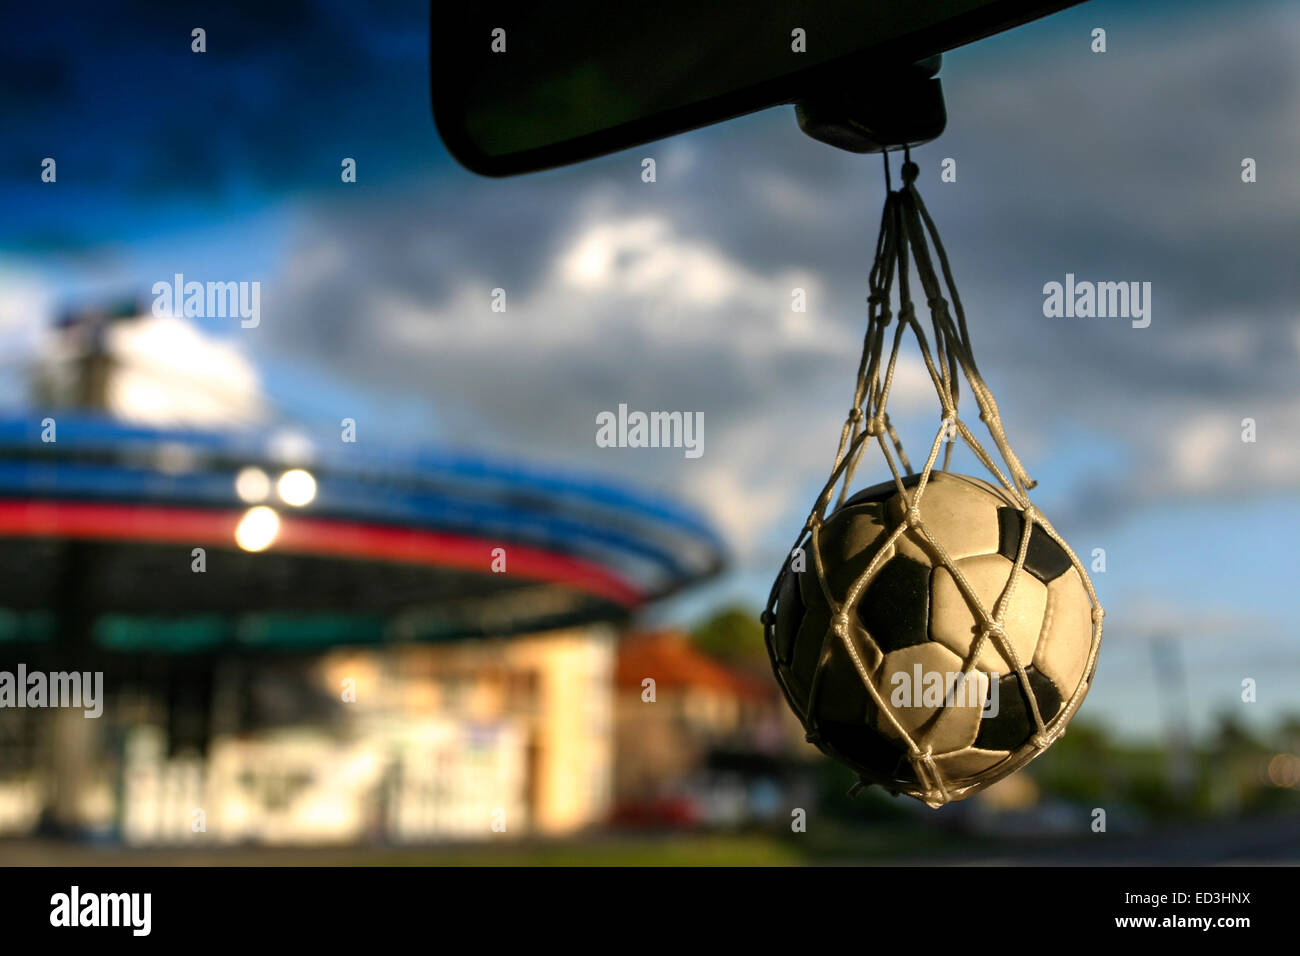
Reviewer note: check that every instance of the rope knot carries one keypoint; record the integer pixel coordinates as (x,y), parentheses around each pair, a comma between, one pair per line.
(937,303)
(840,624)
(876,426)
(855,414)
(910,171)
(914,516)
(765,618)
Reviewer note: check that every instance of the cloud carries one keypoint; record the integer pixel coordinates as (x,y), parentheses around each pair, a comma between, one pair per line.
(169,373)
(625,309)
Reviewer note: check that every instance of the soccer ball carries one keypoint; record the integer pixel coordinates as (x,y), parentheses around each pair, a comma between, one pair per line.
(912,632)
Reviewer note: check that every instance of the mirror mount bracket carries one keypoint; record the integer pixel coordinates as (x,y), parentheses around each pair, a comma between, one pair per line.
(879,108)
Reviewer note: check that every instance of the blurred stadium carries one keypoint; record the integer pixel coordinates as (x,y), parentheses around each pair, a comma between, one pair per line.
(313,678)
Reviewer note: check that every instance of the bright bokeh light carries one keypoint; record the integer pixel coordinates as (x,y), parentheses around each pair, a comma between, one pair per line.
(1284,770)
(296,487)
(258,528)
(252,485)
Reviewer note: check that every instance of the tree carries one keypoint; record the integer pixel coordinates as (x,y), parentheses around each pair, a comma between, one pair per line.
(732,634)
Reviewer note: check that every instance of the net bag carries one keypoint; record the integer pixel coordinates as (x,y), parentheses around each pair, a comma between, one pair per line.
(934,633)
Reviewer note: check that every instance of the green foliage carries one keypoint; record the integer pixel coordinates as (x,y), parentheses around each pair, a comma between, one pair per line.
(1224,774)
(732,634)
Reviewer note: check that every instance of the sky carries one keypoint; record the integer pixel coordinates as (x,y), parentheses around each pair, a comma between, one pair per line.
(674,295)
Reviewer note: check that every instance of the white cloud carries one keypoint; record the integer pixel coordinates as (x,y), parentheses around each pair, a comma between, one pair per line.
(167,372)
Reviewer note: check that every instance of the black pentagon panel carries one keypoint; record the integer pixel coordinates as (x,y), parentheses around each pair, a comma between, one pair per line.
(789,615)
(1044,559)
(848,541)
(1014,723)
(869,750)
(842,695)
(883,491)
(808,643)
(895,608)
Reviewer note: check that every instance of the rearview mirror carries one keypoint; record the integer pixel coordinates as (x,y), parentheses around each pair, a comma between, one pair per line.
(522,86)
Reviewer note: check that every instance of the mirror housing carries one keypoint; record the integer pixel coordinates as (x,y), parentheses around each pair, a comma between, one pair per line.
(887,106)
(518,86)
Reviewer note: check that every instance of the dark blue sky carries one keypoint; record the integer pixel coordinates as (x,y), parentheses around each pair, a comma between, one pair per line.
(150,137)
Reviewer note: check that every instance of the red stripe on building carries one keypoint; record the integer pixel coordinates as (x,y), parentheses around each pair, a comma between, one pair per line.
(318,536)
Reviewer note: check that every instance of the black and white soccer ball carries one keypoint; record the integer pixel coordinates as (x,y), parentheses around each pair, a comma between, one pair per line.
(913,628)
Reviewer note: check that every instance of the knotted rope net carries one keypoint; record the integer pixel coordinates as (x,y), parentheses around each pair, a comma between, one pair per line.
(906,233)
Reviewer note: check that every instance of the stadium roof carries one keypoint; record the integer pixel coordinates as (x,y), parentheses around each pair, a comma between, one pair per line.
(394,545)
